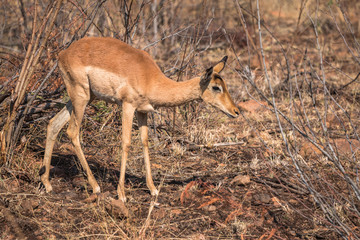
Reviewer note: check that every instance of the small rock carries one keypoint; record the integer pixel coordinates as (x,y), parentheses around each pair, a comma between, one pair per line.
(212,208)
(118,207)
(265,198)
(198,236)
(241,180)
(253,106)
(262,198)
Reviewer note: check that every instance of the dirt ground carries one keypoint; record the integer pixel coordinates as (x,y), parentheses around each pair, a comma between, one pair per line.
(206,192)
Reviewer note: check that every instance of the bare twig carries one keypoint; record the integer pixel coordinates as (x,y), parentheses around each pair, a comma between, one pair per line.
(154,202)
(33,97)
(352,81)
(25,76)
(168,36)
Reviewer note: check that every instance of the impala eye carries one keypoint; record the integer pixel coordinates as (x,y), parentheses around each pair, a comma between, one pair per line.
(216,89)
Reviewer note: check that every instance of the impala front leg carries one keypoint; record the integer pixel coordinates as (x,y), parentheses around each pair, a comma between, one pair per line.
(127,119)
(142,120)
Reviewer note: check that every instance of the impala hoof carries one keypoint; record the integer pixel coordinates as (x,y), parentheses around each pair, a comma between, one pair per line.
(96,190)
(48,187)
(154,192)
(121,195)
(123,199)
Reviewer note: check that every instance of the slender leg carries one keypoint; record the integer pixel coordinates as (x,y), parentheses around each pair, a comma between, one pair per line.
(142,119)
(73,132)
(127,119)
(53,129)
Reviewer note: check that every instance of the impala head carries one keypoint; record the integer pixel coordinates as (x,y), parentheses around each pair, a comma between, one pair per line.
(214,90)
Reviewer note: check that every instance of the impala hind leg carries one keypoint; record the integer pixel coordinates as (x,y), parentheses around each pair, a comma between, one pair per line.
(142,120)
(53,129)
(127,118)
(73,133)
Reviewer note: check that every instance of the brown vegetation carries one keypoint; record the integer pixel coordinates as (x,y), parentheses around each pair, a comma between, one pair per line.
(287,168)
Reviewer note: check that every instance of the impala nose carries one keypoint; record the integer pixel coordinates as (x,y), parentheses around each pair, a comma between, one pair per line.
(233,113)
(236,111)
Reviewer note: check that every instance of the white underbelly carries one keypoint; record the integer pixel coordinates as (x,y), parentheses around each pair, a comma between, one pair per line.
(113,88)
(106,85)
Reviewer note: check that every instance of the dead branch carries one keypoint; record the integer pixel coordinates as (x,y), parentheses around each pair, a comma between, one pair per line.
(352,81)
(30,63)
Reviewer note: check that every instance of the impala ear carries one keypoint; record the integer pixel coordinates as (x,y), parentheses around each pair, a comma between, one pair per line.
(221,65)
(205,79)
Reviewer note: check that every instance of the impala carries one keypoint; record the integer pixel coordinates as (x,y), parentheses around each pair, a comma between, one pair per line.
(113,71)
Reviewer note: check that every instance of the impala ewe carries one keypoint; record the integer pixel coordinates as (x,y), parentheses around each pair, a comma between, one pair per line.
(113,71)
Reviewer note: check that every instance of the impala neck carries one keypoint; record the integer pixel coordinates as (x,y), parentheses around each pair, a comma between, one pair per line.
(172,93)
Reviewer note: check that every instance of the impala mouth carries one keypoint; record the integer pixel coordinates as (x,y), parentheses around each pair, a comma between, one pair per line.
(228,114)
